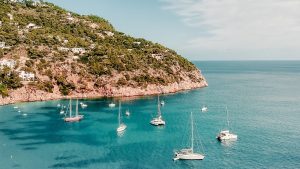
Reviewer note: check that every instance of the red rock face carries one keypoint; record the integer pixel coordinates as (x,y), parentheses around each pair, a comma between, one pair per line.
(27,94)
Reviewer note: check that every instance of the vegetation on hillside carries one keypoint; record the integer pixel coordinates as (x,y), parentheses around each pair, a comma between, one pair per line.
(107,51)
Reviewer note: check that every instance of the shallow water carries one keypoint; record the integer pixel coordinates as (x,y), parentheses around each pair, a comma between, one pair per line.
(263,99)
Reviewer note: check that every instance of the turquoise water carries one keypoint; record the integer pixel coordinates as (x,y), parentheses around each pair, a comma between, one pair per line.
(263,99)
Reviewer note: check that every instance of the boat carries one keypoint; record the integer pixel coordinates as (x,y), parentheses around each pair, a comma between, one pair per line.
(16,107)
(111,104)
(83,105)
(58,105)
(75,118)
(62,110)
(162,103)
(188,153)
(127,113)
(122,127)
(225,135)
(158,120)
(204,109)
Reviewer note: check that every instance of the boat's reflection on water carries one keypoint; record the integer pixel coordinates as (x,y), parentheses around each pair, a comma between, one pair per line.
(228,143)
(121,133)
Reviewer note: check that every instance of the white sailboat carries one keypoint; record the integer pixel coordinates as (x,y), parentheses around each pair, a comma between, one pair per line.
(122,127)
(157,121)
(83,105)
(62,111)
(225,135)
(189,154)
(75,118)
(127,112)
(111,104)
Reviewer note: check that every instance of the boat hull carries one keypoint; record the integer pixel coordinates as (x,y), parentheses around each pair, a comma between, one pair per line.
(226,136)
(191,156)
(157,122)
(73,119)
(121,128)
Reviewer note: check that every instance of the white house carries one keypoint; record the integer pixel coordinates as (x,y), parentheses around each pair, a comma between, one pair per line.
(69,17)
(78,50)
(108,33)
(11,17)
(75,57)
(2,45)
(63,49)
(32,26)
(92,46)
(157,56)
(0,23)
(66,41)
(136,43)
(26,76)
(7,62)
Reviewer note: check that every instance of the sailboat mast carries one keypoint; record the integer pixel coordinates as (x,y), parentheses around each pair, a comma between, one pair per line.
(119,113)
(70,108)
(192,140)
(77,107)
(158,106)
(227,117)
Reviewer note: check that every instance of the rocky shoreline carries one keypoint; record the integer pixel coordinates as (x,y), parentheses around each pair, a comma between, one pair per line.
(26,94)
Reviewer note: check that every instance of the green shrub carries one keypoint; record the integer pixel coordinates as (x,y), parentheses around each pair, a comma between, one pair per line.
(3,90)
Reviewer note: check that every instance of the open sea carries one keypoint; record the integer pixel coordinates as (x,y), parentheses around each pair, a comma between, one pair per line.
(263,100)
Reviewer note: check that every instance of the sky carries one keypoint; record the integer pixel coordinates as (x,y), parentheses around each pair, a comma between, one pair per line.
(206,29)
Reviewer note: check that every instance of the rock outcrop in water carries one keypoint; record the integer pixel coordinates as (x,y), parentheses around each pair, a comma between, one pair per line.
(49,53)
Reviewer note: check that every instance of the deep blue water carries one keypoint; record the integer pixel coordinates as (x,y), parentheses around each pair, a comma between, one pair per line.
(263,99)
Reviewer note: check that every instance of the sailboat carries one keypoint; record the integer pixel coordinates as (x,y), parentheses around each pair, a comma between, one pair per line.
(62,110)
(75,118)
(156,121)
(111,104)
(83,105)
(122,126)
(189,154)
(225,135)
(127,112)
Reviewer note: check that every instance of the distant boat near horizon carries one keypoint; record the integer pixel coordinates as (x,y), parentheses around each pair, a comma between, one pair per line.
(204,109)
(158,120)
(225,135)
(75,118)
(189,154)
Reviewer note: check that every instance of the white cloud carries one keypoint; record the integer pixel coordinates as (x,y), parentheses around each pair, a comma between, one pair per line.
(241,24)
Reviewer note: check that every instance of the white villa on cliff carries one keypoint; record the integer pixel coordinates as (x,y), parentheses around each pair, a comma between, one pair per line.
(2,45)
(109,33)
(158,56)
(32,26)
(7,62)
(63,49)
(78,50)
(26,76)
